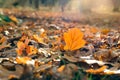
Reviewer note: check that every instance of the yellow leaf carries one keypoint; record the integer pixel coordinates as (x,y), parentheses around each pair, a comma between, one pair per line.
(13,18)
(22,60)
(61,68)
(38,39)
(73,39)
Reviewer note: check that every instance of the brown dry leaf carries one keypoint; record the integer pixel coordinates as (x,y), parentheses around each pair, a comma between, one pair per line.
(73,39)
(71,58)
(61,68)
(57,44)
(31,50)
(43,67)
(4,46)
(97,71)
(22,60)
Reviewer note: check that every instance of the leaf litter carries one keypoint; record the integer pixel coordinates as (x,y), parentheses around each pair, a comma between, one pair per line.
(50,48)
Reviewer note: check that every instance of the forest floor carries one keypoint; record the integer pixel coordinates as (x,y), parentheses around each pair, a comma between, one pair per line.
(37,45)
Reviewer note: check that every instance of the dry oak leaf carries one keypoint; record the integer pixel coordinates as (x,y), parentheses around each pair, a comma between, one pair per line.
(73,39)
(20,47)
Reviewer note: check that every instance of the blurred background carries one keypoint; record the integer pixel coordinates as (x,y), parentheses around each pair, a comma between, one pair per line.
(64,5)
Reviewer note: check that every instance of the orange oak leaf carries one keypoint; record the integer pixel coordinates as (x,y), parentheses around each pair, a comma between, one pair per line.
(19,51)
(73,39)
(20,47)
(31,50)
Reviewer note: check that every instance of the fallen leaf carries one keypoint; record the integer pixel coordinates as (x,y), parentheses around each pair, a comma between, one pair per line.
(43,67)
(23,46)
(31,50)
(43,34)
(97,71)
(93,29)
(38,39)
(61,68)
(73,39)
(13,18)
(4,46)
(22,60)
(70,58)
(20,47)
(3,39)
(26,41)
(11,77)
(105,31)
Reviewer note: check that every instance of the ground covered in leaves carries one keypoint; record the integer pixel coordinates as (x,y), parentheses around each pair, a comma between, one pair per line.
(38,45)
